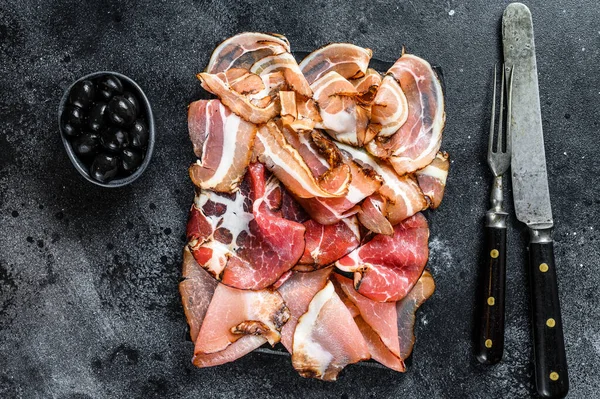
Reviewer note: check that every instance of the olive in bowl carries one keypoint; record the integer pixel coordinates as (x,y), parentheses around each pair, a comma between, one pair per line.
(107,128)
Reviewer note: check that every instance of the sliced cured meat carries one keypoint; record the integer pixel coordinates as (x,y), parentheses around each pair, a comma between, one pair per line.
(403,195)
(406,309)
(234,314)
(418,140)
(196,291)
(372,215)
(367,86)
(239,239)
(389,110)
(239,348)
(432,179)
(348,60)
(239,104)
(342,118)
(297,292)
(326,338)
(387,267)
(377,348)
(326,244)
(244,49)
(286,63)
(281,158)
(223,141)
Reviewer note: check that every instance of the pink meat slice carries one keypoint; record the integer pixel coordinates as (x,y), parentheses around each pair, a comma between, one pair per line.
(239,239)
(432,179)
(297,292)
(387,267)
(377,348)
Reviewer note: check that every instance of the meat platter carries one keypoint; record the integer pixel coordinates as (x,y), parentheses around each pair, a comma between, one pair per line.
(307,226)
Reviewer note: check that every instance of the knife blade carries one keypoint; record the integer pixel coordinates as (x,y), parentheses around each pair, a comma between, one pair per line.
(532,201)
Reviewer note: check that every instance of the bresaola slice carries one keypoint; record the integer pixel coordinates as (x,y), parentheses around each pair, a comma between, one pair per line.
(387,267)
(239,239)
(223,141)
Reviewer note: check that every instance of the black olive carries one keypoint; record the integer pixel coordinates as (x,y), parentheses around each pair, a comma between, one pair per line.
(120,111)
(132,99)
(87,145)
(104,95)
(138,134)
(82,94)
(130,160)
(104,168)
(97,117)
(111,83)
(72,120)
(114,139)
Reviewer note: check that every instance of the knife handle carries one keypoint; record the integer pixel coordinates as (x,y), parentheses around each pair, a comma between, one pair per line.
(551,375)
(490,339)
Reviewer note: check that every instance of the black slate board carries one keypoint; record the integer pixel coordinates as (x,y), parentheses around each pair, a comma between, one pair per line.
(88,277)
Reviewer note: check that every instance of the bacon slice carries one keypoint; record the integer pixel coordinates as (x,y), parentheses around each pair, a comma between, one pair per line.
(348,60)
(432,179)
(234,314)
(326,338)
(326,244)
(406,309)
(239,239)
(418,140)
(239,104)
(281,158)
(389,110)
(223,142)
(297,292)
(387,267)
(286,63)
(244,49)
(196,291)
(367,86)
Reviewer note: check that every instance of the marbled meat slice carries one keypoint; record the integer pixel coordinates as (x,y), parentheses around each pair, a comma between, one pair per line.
(432,179)
(223,141)
(387,267)
(326,338)
(239,239)
(347,59)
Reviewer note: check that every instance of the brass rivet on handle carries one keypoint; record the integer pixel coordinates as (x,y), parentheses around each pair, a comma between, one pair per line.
(544,267)
(488,343)
(491,301)
(494,253)
(551,322)
(554,376)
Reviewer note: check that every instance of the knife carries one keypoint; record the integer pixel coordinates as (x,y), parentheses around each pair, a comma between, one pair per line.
(532,201)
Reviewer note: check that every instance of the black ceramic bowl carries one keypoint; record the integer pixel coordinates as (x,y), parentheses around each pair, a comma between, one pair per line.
(129,85)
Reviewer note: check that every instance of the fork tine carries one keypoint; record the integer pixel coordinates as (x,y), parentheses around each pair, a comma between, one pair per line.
(508,109)
(493,119)
(500,140)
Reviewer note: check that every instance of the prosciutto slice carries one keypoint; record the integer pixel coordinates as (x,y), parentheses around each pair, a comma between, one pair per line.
(223,142)
(387,267)
(234,314)
(346,59)
(326,338)
(418,140)
(389,110)
(239,239)
(286,63)
(367,86)
(432,179)
(244,49)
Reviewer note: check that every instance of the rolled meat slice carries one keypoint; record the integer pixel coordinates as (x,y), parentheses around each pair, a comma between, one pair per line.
(432,179)
(389,110)
(347,59)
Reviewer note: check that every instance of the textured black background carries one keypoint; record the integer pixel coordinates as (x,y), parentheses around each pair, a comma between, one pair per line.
(89,306)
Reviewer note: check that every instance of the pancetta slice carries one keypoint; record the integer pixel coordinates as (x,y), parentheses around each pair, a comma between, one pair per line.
(367,86)
(387,267)
(196,291)
(432,179)
(389,110)
(327,243)
(372,215)
(418,140)
(273,149)
(297,292)
(286,63)
(234,314)
(240,104)
(223,142)
(244,49)
(239,239)
(348,60)
(326,338)
(406,309)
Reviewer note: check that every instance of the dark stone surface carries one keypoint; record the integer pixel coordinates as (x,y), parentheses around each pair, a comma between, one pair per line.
(89,306)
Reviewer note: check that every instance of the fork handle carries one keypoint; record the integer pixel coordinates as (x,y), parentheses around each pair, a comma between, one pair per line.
(490,339)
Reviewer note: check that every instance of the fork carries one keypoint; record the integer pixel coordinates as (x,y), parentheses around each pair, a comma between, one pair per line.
(490,338)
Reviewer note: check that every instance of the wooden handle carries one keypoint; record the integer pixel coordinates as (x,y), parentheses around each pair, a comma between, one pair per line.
(551,376)
(490,338)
